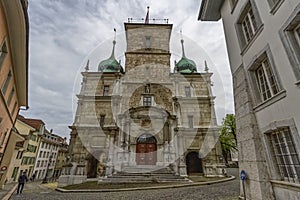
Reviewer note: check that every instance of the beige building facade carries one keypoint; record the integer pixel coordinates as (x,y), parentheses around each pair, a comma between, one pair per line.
(147,116)
(13,69)
(32,130)
(47,156)
(12,162)
(263,42)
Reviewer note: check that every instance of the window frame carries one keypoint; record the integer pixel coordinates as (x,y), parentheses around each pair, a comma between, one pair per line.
(6,82)
(275,5)
(147,101)
(290,42)
(3,52)
(233,4)
(3,138)
(242,38)
(102,120)
(188,91)
(148,42)
(258,101)
(106,90)
(275,173)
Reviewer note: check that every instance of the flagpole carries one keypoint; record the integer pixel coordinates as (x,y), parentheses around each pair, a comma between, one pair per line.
(147,16)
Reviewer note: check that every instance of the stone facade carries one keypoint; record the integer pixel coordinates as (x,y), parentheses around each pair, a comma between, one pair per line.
(146,118)
(264,61)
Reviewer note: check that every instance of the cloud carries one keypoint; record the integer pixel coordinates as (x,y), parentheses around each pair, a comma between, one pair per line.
(63,33)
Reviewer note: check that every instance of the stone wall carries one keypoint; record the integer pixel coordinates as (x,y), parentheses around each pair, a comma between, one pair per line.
(251,158)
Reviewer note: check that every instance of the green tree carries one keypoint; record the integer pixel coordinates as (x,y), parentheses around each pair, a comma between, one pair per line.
(228,138)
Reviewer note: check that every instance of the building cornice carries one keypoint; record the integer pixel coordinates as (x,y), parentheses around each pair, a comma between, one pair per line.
(210,10)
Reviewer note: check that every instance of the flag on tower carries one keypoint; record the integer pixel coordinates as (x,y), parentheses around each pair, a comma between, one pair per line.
(147,16)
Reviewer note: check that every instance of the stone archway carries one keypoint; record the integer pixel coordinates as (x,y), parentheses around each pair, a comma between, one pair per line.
(146,150)
(193,163)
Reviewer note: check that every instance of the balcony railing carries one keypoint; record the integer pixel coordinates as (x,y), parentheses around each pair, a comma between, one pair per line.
(150,21)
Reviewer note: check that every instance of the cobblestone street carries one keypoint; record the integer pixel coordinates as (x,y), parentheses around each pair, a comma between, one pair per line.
(221,191)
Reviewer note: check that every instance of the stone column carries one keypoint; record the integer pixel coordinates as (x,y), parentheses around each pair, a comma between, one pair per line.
(182,165)
(109,166)
(171,143)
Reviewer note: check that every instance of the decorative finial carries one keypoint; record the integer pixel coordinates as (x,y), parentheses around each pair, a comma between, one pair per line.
(114,44)
(87,67)
(182,46)
(115,34)
(147,16)
(206,67)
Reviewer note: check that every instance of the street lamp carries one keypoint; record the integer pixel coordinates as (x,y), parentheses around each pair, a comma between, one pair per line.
(49,163)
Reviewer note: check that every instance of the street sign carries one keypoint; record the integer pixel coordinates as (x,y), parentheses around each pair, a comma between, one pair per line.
(243,175)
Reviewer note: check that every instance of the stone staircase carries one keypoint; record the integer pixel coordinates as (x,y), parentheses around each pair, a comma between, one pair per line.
(144,174)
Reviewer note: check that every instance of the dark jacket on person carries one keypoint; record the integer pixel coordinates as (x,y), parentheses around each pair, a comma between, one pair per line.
(22,178)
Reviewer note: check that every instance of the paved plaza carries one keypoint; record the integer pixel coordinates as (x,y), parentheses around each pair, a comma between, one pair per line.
(220,191)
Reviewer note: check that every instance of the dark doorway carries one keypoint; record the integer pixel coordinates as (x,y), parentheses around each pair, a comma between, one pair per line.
(146,150)
(92,164)
(193,163)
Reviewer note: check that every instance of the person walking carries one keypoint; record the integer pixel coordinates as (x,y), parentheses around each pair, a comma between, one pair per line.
(21,182)
(33,176)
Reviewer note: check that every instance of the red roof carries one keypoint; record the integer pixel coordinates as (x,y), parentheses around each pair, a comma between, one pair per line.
(34,123)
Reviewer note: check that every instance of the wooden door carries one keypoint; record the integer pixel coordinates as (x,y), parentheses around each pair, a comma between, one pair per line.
(146,154)
(193,163)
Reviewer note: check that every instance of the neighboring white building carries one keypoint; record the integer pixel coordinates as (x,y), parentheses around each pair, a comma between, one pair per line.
(47,155)
(263,42)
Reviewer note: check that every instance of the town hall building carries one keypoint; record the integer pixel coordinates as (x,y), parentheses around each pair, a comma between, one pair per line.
(144,116)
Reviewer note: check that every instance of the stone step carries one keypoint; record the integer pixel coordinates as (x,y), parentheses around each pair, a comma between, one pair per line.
(138,175)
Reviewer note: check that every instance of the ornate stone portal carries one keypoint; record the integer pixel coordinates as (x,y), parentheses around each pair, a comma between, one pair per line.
(145,118)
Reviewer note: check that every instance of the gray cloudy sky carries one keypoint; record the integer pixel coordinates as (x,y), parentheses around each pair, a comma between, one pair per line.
(64,32)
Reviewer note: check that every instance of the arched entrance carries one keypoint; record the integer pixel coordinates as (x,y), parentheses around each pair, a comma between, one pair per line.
(193,163)
(146,146)
(92,164)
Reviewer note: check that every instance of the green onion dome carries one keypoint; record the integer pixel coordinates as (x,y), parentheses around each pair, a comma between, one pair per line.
(185,65)
(110,64)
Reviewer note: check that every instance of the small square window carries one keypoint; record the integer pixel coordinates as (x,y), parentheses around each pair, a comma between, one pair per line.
(147,101)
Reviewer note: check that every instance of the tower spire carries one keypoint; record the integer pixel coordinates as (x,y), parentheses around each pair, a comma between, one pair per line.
(206,67)
(182,44)
(87,67)
(114,44)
